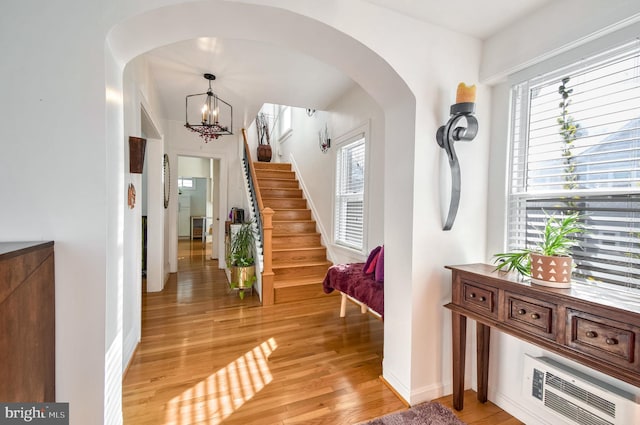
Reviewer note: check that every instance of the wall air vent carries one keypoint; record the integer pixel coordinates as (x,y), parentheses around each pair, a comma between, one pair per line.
(574,397)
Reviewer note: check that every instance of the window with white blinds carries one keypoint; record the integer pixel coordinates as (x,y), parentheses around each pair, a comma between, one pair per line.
(576,148)
(349,202)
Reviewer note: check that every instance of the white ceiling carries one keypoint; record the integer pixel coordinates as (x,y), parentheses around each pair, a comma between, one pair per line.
(252,73)
(248,74)
(477,18)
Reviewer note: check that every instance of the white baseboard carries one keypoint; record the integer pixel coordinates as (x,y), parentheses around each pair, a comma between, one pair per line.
(129,348)
(427,393)
(521,412)
(417,396)
(397,385)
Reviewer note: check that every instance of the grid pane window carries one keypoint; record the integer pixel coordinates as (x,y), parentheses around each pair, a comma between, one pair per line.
(349,212)
(576,148)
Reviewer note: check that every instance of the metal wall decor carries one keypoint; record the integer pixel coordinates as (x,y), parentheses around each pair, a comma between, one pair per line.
(323,139)
(166,175)
(136,154)
(214,114)
(131,196)
(461,112)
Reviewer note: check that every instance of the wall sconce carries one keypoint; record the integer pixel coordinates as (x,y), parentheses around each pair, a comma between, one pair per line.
(448,134)
(323,139)
(310,112)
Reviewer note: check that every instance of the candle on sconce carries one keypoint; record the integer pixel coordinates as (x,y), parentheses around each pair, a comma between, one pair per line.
(462,125)
(204,114)
(466,94)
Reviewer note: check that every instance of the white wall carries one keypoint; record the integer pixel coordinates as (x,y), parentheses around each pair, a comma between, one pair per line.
(507,353)
(418,366)
(72,175)
(566,24)
(316,170)
(193,167)
(139,92)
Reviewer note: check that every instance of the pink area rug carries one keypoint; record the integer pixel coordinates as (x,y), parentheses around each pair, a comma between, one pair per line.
(423,414)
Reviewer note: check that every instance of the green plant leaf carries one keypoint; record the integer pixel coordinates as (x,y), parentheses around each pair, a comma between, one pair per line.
(556,241)
(242,246)
(509,261)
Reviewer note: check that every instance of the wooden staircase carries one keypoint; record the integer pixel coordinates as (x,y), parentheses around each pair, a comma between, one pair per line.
(299,261)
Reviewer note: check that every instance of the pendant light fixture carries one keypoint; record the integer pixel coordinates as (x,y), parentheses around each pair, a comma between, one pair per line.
(215,116)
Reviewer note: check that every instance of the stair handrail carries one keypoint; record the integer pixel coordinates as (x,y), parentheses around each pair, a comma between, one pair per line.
(264,223)
(254,188)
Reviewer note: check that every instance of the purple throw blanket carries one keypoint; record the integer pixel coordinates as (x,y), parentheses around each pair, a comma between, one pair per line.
(349,279)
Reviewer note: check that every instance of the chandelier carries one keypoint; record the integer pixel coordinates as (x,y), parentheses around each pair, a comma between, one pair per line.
(215,116)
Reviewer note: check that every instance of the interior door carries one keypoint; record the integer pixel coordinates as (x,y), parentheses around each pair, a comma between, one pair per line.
(184,215)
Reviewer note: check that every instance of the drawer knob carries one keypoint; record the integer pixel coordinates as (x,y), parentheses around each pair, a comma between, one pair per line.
(522,311)
(591,334)
(482,299)
(472,295)
(535,316)
(611,341)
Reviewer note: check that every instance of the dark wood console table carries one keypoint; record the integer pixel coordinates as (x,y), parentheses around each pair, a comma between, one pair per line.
(27,322)
(602,333)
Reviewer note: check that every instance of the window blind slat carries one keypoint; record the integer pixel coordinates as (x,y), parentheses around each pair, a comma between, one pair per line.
(349,204)
(594,171)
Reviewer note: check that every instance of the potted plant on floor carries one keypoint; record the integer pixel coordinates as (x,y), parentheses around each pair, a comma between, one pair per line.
(243,269)
(549,262)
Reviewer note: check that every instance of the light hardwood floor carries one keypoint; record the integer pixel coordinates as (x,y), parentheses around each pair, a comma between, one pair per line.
(207,357)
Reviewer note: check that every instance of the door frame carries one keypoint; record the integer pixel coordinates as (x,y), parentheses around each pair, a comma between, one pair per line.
(221,189)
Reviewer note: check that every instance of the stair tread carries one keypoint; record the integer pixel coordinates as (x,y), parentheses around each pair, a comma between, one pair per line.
(287,283)
(268,164)
(304,266)
(289,235)
(274,178)
(302,220)
(274,170)
(308,248)
(291,264)
(283,196)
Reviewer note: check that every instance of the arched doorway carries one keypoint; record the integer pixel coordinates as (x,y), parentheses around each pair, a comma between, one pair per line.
(271,25)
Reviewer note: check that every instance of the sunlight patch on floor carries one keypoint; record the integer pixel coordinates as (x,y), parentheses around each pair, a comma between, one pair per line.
(225,391)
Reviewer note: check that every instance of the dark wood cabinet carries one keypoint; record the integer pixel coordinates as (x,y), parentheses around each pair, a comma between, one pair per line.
(579,323)
(27,322)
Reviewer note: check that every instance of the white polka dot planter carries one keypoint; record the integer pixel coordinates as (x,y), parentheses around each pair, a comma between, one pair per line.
(549,271)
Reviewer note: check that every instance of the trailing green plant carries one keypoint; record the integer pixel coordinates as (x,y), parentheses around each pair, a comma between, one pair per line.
(242,246)
(568,131)
(556,240)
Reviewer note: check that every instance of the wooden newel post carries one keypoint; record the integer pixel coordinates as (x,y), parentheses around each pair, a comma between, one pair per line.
(267,272)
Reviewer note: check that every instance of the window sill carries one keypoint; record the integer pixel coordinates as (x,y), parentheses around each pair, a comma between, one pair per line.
(353,254)
(626,299)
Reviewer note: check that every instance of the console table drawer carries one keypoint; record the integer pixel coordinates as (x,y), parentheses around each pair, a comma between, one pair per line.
(575,323)
(531,315)
(607,339)
(479,298)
